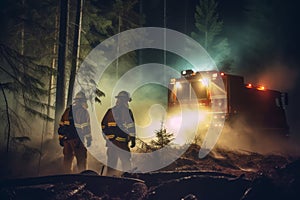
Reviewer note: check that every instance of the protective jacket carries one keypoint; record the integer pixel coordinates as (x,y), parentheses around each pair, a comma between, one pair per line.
(74,122)
(118,124)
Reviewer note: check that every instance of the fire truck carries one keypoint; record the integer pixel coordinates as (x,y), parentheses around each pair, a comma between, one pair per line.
(227,95)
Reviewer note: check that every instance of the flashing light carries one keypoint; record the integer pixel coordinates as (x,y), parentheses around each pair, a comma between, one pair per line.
(249,85)
(215,75)
(222,74)
(188,72)
(261,88)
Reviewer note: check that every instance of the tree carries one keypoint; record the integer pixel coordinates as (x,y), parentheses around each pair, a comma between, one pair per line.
(123,14)
(60,79)
(33,21)
(28,46)
(89,23)
(163,138)
(92,26)
(26,82)
(24,65)
(103,19)
(75,49)
(96,26)
(209,28)
(90,18)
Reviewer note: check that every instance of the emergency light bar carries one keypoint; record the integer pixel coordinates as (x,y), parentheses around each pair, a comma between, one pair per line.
(261,87)
(186,73)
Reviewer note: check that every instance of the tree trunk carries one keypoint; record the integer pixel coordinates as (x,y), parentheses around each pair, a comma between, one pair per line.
(118,47)
(60,80)
(8,119)
(21,48)
(75,50)
(52,78)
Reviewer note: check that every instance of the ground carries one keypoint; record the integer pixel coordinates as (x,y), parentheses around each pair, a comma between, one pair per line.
(224,173)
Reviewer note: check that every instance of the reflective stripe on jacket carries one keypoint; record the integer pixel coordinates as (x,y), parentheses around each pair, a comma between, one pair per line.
(77,119)
(118,124)
(81,120)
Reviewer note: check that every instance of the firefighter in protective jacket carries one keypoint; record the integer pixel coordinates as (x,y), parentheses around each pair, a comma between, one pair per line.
(75,124)
(119,129)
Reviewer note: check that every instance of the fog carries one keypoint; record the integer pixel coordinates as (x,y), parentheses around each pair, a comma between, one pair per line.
(241,136)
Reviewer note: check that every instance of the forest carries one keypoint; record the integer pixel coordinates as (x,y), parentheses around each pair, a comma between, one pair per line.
(43,43)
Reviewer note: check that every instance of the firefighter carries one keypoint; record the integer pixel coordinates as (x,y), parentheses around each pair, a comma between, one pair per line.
(75,124)
(118,128)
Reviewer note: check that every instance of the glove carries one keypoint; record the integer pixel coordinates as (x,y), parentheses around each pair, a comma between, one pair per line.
(132,139)
(61,139)
(88,141)
(61,142)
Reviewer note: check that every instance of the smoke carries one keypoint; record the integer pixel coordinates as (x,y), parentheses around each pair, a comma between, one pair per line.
(240,136)
(283,77)
(236,136)
(276,76)
(149,104)
(264,41)
(28,159)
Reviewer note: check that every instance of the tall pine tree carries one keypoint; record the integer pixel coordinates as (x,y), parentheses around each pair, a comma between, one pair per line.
(124,16)
(208,32)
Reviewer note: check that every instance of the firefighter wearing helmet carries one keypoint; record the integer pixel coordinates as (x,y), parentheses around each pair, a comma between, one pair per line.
(75,124)
(118,128)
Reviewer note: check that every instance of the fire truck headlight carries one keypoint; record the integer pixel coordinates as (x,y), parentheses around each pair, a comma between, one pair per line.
(204,81)
(178,85)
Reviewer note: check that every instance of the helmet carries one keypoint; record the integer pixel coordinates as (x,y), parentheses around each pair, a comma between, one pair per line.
(80,97)
(125,95)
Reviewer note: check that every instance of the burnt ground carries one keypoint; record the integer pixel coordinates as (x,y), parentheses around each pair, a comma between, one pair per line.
(223,174)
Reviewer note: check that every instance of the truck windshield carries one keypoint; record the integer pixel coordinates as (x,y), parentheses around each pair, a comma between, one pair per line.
(200,90)
(192,90)
(183,91)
